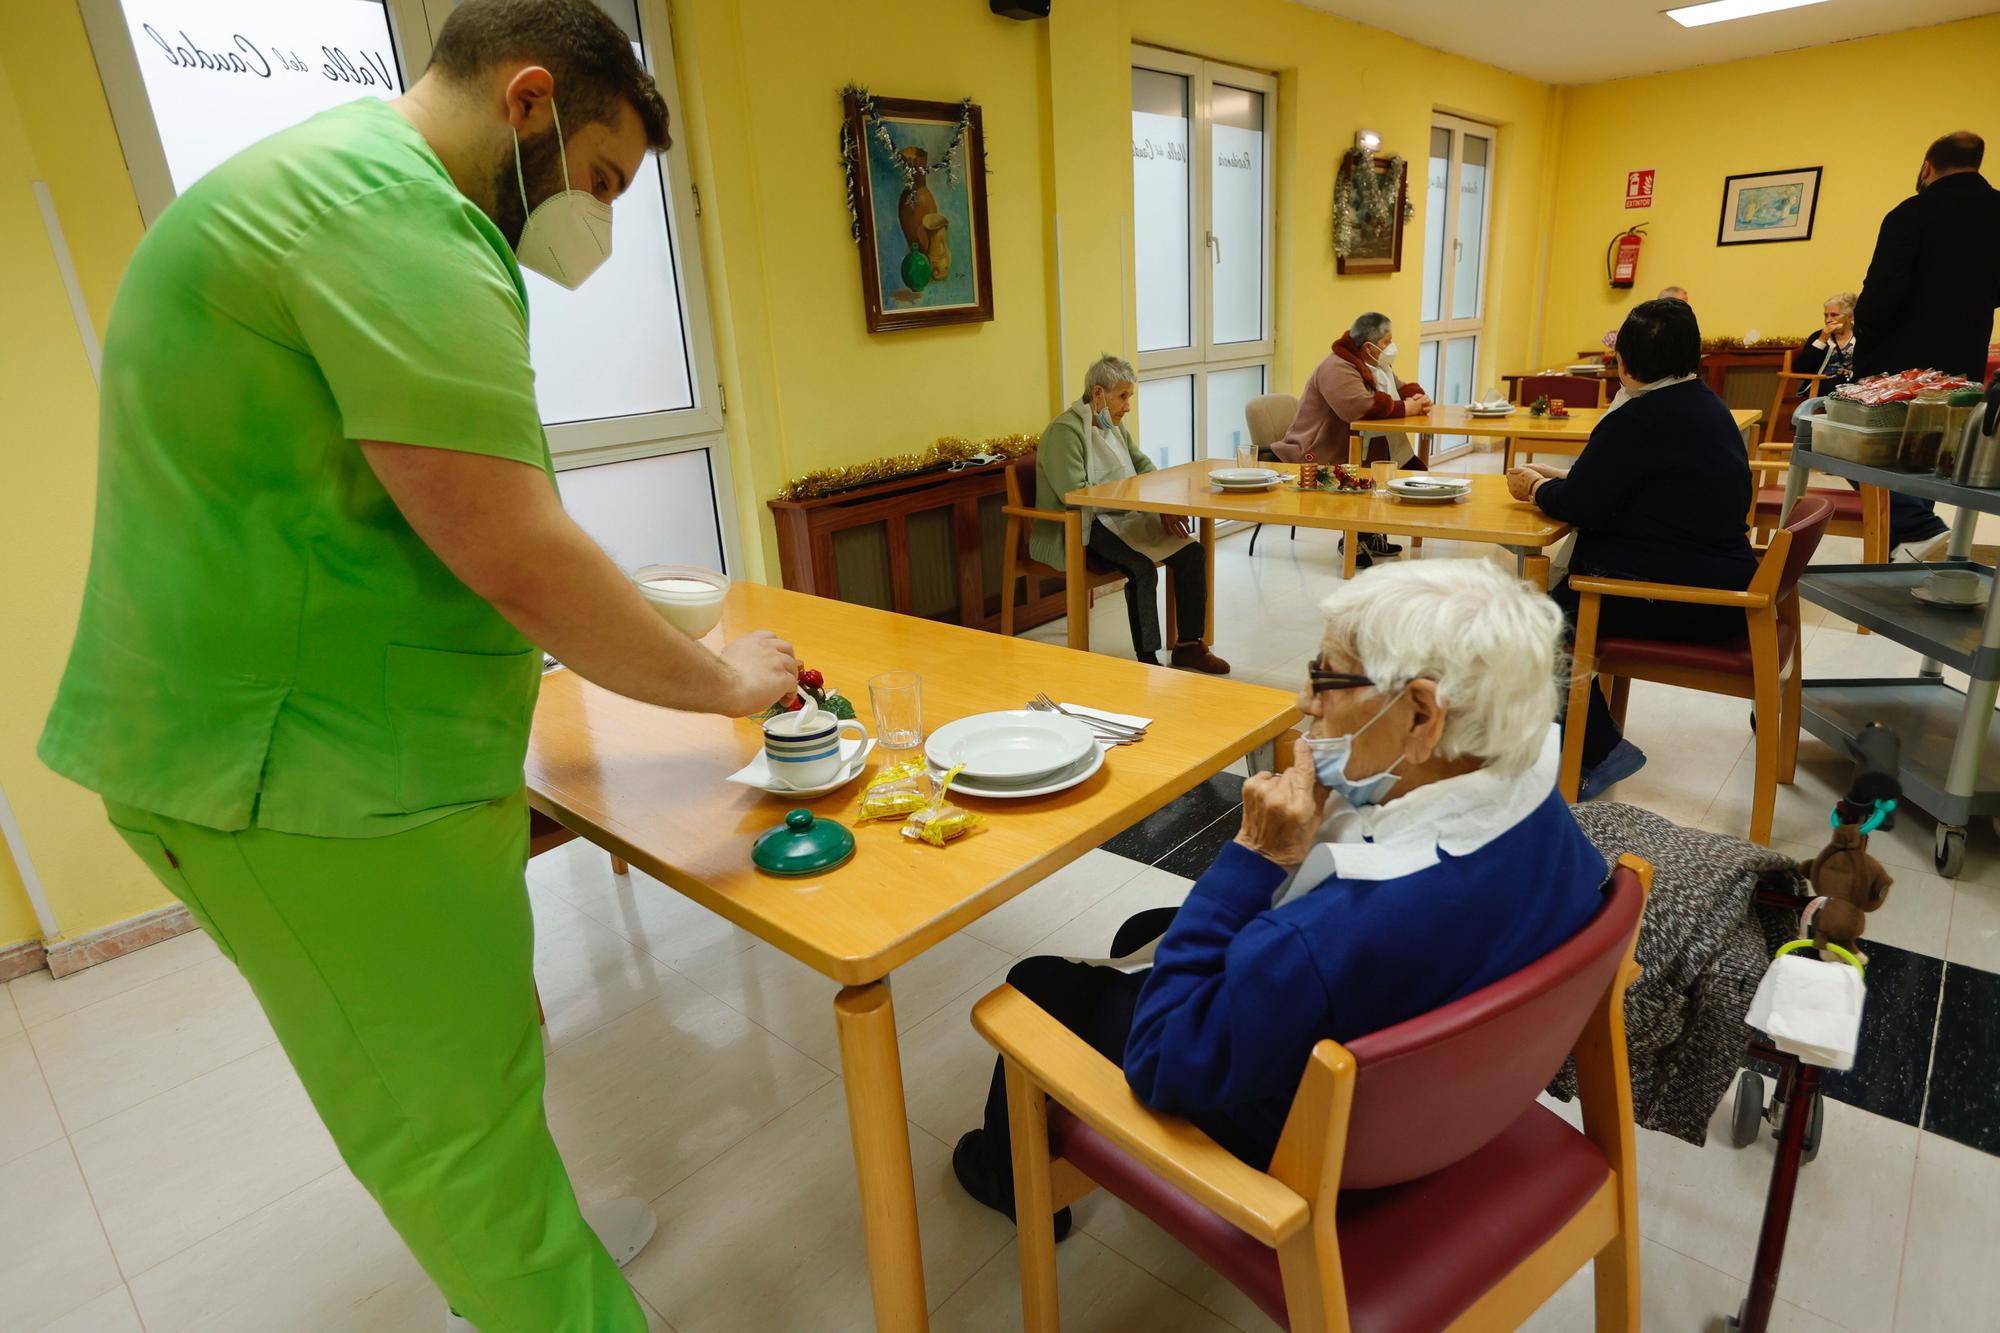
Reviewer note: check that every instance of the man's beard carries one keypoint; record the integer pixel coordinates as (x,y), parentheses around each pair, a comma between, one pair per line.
(541,168)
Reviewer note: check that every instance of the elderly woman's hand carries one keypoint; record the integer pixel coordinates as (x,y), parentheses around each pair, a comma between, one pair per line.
(1521,482)
(1282,811)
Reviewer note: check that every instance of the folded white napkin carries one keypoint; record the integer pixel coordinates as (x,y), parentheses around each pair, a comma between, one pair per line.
(1811,1009)
(1494,406)
(1117,719)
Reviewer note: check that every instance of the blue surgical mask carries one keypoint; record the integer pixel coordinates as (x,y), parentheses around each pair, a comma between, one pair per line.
(1331,753)
(1103,419)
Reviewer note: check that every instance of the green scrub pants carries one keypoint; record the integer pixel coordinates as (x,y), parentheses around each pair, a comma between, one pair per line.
(397,974)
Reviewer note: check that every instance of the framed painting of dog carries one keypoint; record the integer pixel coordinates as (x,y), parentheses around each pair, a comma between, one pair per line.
(917,188)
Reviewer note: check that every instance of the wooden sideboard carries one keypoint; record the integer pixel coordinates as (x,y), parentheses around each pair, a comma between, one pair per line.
(928,545)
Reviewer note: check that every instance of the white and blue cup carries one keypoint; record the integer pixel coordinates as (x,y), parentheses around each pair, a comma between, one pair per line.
(810,758)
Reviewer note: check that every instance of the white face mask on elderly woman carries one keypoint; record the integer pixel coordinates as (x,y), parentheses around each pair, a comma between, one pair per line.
(1386,355)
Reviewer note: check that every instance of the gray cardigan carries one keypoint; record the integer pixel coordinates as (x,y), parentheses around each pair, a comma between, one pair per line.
(1059,469)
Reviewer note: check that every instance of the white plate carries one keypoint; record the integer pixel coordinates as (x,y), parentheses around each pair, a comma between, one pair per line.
(1454,498)
(1047,785)
(1010,746)
(1430,488)
(1242,476)
(1507,411)
(1246,486)
(757,773)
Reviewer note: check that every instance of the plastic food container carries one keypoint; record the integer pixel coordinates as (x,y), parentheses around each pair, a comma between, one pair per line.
(1850,413)
(1871,446)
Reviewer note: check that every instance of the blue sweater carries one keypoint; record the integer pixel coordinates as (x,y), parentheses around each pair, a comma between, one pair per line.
(1240,992)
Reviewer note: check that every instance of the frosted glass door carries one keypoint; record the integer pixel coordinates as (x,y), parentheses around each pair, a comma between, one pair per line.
(1162,209)
(1166,420)
(1229,393)
(1458,192)
(1436,217)
(1237,262)
(1468,263)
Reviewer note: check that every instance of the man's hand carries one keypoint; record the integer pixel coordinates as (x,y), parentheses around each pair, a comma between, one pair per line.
(1177,525)
(1521,482)
(766,669)
(1282,811)
(1552,473)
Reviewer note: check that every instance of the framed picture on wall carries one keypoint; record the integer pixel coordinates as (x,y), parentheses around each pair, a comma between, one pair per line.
(916,189)
(1378,222)
(1766,206)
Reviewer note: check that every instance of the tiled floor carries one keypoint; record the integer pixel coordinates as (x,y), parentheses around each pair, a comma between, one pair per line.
(161,1169)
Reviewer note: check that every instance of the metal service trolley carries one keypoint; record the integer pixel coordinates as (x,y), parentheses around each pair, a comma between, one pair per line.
(1948,760)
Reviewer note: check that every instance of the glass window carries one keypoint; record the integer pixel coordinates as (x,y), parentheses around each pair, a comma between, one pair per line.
(1237,262)
(1436,214)
(1229,394)
(1427,368)
(1468,264)
(1166,420)
(1161,184)
(650,511)
(1460,356)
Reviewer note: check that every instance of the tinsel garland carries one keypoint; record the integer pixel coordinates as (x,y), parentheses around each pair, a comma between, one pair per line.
(1725,344)
(878,130)
(1361,199)
(945,452)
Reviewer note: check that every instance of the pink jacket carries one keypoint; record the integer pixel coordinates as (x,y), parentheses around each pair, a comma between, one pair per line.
(1341,391)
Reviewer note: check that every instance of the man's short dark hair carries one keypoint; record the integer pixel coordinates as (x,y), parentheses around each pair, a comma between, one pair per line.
(1660,339)
(579,44)
(1955,152)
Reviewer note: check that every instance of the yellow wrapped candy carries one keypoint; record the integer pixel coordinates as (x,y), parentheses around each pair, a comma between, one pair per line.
(896,791)
(940,821)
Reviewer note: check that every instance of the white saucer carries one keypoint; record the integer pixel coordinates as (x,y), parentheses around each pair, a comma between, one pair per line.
(1081,771)
(1929,598)
(757,773)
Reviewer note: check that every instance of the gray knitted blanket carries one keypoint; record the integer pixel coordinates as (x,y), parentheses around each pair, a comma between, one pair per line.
(1704,944)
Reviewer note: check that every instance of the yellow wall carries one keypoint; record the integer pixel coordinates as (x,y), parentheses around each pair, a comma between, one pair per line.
(54,127)
(1697,126)
(808,386)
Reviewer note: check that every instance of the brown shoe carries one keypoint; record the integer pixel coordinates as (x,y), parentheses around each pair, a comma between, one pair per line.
(1196,657)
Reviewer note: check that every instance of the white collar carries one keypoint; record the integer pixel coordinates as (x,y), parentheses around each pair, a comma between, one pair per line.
(1456,816)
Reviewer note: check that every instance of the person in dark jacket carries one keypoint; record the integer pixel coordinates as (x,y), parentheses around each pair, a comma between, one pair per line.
(1415,851)
(1927,302)
(1658,494)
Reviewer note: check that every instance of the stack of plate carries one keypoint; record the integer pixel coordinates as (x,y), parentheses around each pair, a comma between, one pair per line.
(1494,409)
(1014,754)
(1245,478)
(1430,490)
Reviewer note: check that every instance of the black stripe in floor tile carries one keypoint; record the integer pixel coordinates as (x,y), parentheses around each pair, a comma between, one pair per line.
(1896,1027)
(1194,856)
(1965,1076)
(1167,828)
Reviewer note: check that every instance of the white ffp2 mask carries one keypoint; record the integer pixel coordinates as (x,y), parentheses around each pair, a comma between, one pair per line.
(568,235)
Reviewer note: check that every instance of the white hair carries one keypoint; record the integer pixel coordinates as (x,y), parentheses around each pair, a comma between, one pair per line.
(1845,300)
(1491,643)
(1107,373)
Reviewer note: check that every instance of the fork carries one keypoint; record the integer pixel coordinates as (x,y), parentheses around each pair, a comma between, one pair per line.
(1041,703)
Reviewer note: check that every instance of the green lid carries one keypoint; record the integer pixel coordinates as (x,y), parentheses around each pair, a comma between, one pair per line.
(802,845)
(1965,398)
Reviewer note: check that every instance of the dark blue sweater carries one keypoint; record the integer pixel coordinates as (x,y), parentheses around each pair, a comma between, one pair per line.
(1240,992)
(1660,493)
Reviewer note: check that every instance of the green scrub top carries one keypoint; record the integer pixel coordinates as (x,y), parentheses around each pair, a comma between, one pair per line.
(264,641)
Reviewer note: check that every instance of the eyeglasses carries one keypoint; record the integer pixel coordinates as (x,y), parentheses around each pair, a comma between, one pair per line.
(1322,679)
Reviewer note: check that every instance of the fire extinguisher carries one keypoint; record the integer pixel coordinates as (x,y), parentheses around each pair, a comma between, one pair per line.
(1621,257)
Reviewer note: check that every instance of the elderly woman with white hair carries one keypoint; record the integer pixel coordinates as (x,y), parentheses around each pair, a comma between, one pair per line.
(1830,352)
(1089,444)
(1415,850)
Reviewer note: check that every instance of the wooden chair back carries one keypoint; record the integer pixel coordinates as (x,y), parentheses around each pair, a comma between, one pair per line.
(1778,421)
(1574,390)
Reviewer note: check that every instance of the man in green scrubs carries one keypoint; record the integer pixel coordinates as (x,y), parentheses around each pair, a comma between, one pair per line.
(328,555)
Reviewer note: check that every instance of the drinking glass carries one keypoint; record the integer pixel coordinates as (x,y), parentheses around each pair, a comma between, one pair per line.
(898,700)
(1246,455)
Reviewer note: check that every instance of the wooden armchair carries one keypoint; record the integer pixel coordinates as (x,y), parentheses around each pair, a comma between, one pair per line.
(1085,571)
(1778,421)
(1417,1184)
(1763,665)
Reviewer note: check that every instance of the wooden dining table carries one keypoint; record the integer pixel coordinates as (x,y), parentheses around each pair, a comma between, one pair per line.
(1533,434)
(1489,515)
(647,785)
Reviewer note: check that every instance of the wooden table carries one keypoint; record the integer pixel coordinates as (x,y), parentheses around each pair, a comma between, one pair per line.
(1491,515)
(647,785)
(1544,435)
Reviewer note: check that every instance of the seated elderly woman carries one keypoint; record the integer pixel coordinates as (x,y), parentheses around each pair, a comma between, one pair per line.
(1660,494)
(1415,850)
(1088,444)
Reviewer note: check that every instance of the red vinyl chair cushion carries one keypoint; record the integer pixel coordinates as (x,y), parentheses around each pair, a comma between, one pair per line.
(1413,1256)
(1846,502)
(1626,657)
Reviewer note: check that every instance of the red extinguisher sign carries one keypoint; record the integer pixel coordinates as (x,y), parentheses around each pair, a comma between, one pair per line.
(1638,189)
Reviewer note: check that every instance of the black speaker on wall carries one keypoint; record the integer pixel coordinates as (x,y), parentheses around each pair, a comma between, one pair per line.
(1020,9)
